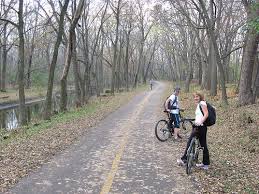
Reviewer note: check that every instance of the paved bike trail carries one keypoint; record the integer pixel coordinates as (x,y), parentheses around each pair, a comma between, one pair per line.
(120,155)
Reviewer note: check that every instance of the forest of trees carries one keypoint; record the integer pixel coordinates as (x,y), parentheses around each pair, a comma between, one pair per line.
(92,45)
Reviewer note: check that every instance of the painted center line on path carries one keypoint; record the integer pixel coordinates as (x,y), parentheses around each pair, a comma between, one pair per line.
(115,164)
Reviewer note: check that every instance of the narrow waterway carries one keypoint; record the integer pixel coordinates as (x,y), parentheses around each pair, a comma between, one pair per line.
(9,113)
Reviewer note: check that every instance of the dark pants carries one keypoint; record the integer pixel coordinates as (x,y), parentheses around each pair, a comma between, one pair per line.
(202,135)
(174,118)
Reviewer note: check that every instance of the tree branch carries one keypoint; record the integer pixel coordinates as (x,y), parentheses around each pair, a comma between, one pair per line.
(9,21)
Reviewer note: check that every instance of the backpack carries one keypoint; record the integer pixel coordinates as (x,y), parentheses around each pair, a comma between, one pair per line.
(211,120)
(170,106)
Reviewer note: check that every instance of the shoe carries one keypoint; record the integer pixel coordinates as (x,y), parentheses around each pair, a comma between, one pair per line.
(181,162)
(205,167)
(202,166)
(199,165)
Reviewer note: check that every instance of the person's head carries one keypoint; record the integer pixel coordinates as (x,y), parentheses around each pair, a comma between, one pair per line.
(177,90)
(198,96)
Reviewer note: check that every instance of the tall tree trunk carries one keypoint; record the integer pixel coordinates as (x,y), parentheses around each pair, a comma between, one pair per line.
(63,80)
(140,59)
(97,78)
(22,110)
(256,79)
(119,64)
(199,69)
(4,58)
(151,59)
(212,36)
(213,73)
(48,103)
(101,81)
(252,39)
(77,76)
(86,77)
(245,84)
(213,62)
(71,52)
(114,65)
(190,64)
(28,85)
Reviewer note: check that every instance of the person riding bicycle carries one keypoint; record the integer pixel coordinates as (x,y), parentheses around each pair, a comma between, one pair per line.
(151,84)
(172,106)
(201,129)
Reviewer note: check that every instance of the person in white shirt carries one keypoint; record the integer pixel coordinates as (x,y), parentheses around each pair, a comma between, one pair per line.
(201,130)
(172,104)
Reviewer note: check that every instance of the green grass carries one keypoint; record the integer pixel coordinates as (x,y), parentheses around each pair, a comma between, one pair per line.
(90,109)
(61,118)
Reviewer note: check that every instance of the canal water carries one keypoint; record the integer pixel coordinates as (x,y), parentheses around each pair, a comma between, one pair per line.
(9,114)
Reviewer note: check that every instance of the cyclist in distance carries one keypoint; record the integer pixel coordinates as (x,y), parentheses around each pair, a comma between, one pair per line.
(201,129)
(172,106)
(151,84)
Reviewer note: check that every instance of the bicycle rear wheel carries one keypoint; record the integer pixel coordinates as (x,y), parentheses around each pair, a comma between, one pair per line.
(190,156)
(162,130)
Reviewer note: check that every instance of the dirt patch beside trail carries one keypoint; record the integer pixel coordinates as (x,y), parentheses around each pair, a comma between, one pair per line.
(234,151)
(234,148)
(233,145)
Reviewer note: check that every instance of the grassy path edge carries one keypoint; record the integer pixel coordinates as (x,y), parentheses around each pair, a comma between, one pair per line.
(34,145)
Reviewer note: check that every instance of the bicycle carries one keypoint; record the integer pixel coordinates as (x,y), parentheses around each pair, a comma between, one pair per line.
(193,152)
(163,131)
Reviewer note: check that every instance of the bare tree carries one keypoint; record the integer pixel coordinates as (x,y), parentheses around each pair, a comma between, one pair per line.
(70,52)
(5,49)
(116,11)
(48,103)
(144,31)
(209,27)
(249,55)
(32,47)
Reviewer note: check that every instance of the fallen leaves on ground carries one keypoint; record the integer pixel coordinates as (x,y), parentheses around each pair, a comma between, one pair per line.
(234,150)
(18,158)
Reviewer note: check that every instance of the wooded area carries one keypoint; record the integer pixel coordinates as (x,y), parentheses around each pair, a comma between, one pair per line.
(115,44)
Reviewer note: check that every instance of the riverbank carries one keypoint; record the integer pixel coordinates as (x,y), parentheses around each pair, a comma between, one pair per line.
(11,95)
(27,149)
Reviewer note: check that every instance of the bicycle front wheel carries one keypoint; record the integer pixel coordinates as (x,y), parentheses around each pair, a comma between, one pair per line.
(190,156)
(162,130)
(186,128)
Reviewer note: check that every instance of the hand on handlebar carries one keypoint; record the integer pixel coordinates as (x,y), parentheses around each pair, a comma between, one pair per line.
(167,110)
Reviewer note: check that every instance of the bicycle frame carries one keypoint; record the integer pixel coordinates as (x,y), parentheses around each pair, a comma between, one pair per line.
(164,128)
(182,119)
(193,153)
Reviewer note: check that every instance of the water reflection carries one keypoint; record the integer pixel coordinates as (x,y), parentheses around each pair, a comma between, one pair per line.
(9,117)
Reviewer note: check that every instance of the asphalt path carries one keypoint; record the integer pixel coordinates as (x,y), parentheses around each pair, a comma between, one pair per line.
(120,155)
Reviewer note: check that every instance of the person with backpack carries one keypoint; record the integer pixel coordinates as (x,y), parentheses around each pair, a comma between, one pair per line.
(204,116)
(172,106)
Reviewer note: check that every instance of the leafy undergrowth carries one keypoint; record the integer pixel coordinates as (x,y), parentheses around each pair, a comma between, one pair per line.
(233,145)
(29,148)
(234,151)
